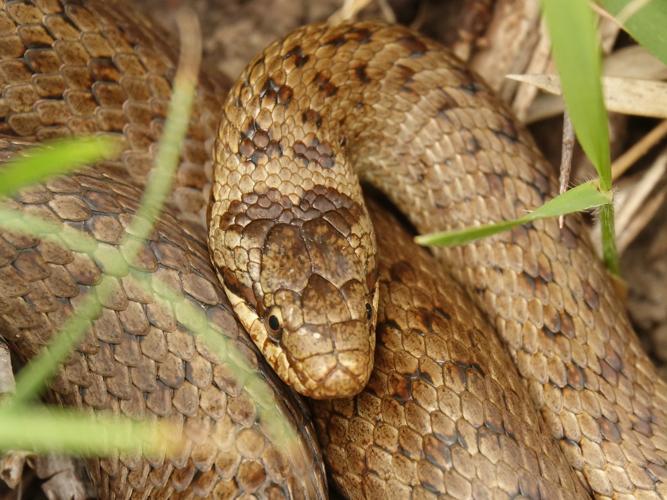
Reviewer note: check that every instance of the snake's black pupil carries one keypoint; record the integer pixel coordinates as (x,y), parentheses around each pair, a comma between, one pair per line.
(274,324)
(369,312)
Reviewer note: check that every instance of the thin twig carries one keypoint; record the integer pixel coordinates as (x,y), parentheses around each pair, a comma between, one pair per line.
(349,10)
(637,209)
(603,13)
(566,158)
(630,9)
(638,149)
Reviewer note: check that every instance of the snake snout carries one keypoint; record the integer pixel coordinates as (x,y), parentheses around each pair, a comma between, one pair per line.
(332,360)
(331,347)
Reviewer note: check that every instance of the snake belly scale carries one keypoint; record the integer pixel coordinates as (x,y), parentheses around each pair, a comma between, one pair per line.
(442,414)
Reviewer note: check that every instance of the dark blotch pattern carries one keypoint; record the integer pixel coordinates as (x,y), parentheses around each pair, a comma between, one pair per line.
(315,152)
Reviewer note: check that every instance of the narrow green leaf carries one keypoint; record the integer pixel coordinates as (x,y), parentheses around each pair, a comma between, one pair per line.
(59,430)
(582,197)
(577,54)
(187,314)
(465,236)
(54,158)
(607,227)
(36,374)
(647,25)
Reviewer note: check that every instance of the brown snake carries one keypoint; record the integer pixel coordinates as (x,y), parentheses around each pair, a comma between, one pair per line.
(444,411)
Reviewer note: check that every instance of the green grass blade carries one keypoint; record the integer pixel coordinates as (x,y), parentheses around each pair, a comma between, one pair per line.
(465,236)
(583,197)
(577,54)
(158,184)
(578,199)
(188,315)
(54,158)
(647,25)
(68,431)
(194,319)
(36,374)
(609,250)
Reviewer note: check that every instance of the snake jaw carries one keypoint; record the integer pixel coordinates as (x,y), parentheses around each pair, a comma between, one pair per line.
(325,361)
(344,369)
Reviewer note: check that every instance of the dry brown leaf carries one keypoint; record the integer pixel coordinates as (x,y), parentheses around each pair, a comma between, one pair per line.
(510,41)
(540,62)
(634,62)
(7,383)
(351,9)
(636,204)
(622,95)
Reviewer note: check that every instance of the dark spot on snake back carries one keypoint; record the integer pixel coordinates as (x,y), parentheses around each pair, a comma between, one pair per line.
(472,145)
(385,326)
(285,94)
(325,85)
(400,387)
(104,70)
(591,297)
(246,148)
(360,35)
(269,87)
(360,71)
(416,47)
(281,94)
(470,87)
(336,41)
(312,116)
(369,311)
(507,132)
(442,313)
(576,377)
(549,333)
(300,59)
(294,51)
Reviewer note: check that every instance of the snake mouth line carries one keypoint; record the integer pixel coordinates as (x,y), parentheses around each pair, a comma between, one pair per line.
(342,371)
(330,382)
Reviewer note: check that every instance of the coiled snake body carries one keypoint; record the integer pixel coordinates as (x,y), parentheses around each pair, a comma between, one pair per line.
(444,411)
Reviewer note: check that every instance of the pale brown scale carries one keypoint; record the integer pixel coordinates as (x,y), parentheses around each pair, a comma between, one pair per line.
(445,413)
(70,68)
(411,120)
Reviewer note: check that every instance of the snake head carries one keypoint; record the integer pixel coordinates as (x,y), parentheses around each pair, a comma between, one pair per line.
(302,279)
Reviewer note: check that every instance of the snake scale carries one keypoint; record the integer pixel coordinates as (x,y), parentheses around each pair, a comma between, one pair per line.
(444,412)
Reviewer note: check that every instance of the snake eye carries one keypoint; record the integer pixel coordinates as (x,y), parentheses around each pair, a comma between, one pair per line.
(369,311)
(274,323)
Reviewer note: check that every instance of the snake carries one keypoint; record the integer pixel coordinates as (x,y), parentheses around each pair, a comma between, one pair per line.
(503,368)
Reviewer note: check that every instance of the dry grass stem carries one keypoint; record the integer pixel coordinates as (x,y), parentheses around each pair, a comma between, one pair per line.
(639,149)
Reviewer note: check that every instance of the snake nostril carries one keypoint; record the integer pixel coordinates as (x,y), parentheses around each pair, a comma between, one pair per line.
(369,311)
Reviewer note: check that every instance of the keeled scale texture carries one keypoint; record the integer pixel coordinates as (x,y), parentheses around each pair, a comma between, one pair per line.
(72,68)
(417,125)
